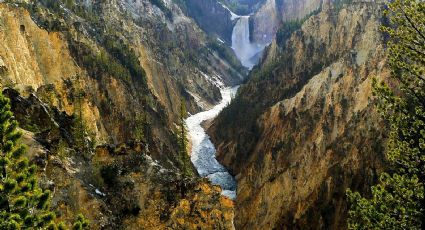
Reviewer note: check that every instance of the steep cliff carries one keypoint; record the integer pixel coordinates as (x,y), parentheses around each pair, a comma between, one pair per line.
(304,128)
(65,51)
(115,186)
(123,67)
(267,19)
(243,7)
(212,17)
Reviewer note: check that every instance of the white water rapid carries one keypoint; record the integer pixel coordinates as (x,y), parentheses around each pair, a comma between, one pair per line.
(203,150)
(248,52)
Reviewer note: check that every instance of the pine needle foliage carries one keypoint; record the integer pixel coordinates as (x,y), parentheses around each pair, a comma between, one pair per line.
(397,202)
(183,142)
(23,204)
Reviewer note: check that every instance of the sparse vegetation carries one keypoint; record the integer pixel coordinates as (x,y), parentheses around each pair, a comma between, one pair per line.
(243,7)
(285,31)
(225,53)
(126,56)
(339,4)
(141,126)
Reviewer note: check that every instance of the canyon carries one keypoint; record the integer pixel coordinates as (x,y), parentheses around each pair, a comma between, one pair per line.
(305,123)
(97,88)
(281,117)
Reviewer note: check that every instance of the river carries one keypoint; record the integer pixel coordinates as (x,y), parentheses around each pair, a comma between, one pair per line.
(203,150)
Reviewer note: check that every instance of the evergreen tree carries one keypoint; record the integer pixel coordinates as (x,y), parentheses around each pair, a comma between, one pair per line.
(183,142)
(84,139)
(397,202)
(22,203)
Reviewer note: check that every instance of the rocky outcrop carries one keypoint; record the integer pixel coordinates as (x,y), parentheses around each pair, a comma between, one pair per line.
(141,194)
(122,187)
(305,127)
(243,7)
(296,10)
(212,17)
(266,21)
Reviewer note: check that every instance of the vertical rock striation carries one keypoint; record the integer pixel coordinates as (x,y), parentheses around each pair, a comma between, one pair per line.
(267,19)
(304,128)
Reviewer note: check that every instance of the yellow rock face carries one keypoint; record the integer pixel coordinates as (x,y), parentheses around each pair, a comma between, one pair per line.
(34,57)
(205,209)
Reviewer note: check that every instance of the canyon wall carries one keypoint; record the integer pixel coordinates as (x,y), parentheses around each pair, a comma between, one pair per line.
(305,126)
(45,57)
(123,66)
(212,17)
(266,16)
(266,21)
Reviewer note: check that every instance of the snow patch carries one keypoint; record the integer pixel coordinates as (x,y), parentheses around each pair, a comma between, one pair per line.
(215,79)
(98,192)
(221,41)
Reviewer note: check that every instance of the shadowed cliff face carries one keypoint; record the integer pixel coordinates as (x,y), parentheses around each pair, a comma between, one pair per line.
(304,128)
(243,7)
(212,17)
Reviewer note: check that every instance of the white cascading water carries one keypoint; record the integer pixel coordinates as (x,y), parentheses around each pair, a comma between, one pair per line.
(203,150)
(248,52)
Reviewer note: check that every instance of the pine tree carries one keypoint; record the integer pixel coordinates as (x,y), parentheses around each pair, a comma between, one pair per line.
(22,203)
(84,140)
(79,128)
(183,141)
(397,202)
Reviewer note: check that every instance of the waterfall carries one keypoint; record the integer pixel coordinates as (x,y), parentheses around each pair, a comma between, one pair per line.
(248,52)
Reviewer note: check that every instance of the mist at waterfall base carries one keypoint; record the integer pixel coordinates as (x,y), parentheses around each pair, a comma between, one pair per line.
(203,150)
(249,53)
